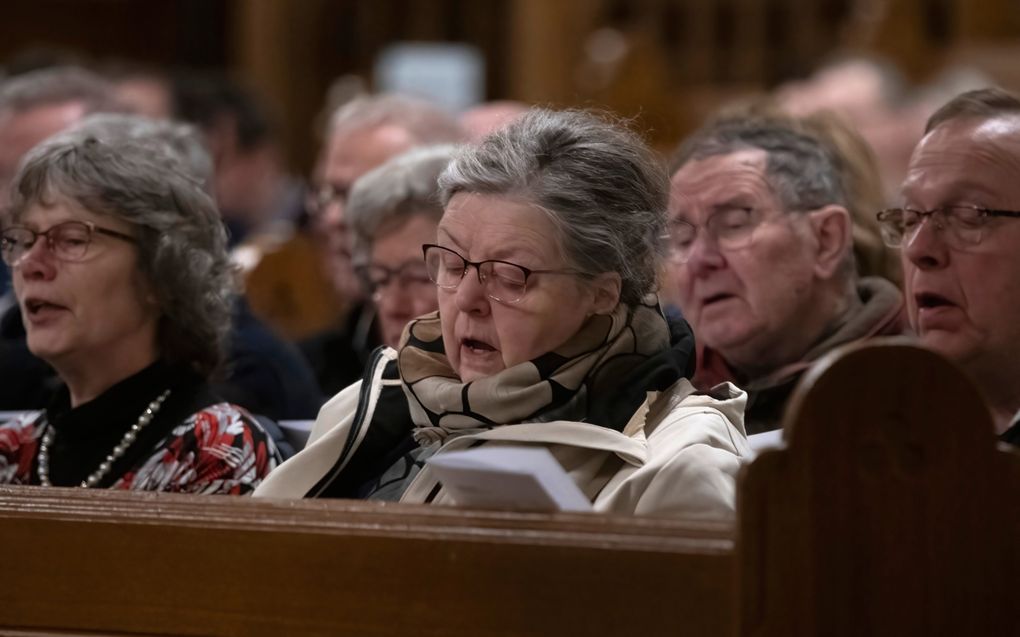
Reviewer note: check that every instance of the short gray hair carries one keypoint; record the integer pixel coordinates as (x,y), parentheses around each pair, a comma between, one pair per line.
(423,120)
(181,239)
(802,170)
(603,188)
(58,85)
(403,186)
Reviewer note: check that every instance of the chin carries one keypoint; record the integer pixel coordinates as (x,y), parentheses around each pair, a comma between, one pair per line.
(721,340)
(48,352)
(471,374)
(949,345)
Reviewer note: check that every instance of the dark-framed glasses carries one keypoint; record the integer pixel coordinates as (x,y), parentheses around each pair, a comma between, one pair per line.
(730,228)
(502,281)
(961,226)
(67,241)
(320,197)
(377,278)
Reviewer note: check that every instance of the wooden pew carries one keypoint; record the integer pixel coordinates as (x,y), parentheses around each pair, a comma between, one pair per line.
(148,564)
(890,512)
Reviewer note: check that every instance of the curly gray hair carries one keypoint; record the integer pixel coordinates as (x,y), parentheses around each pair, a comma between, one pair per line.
(603,188)
(405,185)
(182,252)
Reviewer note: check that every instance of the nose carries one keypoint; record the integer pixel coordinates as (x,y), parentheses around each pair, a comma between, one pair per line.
(37,262)
(471,296)
(332,214)
(704,256)
(926,248)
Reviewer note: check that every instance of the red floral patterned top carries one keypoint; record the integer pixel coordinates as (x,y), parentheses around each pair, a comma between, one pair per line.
(217,450)
(194,443)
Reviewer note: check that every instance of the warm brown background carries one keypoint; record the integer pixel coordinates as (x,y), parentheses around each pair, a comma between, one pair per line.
(683,57)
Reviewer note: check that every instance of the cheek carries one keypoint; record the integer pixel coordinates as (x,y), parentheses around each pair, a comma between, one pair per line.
(527,335)
(992,293)
(425,302)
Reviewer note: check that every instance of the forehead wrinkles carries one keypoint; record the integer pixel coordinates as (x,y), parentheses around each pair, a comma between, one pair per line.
(707,182)
(978,158)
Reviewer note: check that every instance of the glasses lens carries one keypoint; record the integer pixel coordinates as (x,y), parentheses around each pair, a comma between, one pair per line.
(70,240)
(444,267)
(965,223)
(504,282)
(371,276)
(892,224)
(681,239)
(318,199)
(733,228)
(14,242)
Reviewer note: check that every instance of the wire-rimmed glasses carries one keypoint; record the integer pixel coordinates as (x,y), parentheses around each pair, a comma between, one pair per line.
(964,225)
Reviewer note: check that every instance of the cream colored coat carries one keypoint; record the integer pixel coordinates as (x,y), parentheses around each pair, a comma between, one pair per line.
(678,455)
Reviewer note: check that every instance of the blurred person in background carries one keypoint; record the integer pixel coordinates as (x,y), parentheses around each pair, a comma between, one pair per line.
(361,135)
(392,211)
(261,203)
(483,119)
(144,89)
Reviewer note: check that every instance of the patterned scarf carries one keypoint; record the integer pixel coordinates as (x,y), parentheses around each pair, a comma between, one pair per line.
(600,376)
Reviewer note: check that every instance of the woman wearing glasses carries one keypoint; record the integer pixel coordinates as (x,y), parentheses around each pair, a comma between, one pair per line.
(391,211)
(548,333)
(119,265)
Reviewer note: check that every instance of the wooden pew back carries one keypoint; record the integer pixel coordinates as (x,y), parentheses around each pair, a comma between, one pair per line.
(83,562)
(890,512)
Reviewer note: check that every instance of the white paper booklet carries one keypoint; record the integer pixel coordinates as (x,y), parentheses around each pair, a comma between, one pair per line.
(518,478)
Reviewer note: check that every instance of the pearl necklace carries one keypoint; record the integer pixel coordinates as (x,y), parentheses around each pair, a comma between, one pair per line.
(118,451)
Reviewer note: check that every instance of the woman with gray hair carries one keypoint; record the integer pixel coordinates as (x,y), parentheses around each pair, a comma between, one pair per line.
(120,269)
(391,211)
(548,333)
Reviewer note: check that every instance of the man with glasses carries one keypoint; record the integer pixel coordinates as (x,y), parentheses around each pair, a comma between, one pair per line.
(363,134)
(761,252)
(959,234)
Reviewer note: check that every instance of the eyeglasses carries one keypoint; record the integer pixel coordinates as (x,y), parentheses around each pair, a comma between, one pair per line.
(964,225)
(320,198)
(502,281)
(377,278)
(731,229)
(67,241)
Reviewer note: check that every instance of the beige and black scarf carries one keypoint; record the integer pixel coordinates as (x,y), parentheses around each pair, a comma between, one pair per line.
(601,375)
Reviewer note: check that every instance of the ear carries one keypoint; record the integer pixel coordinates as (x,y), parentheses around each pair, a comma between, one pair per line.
(833,233)
(606,290)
